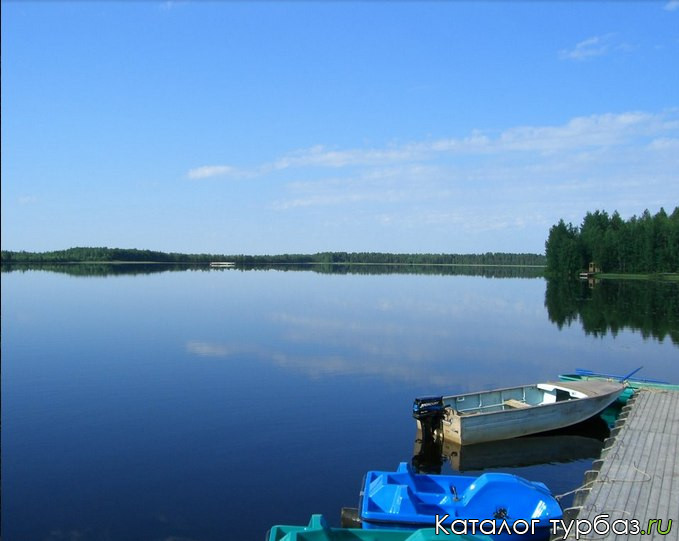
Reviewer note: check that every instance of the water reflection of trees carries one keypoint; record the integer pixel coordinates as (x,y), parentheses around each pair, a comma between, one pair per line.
(102,269)
(117,269)
(651,307)
(439,270)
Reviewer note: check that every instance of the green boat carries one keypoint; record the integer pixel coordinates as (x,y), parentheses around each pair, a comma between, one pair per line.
(318,530)
(633,384)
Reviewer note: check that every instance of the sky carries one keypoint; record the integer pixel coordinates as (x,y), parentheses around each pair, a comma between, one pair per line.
(299,127)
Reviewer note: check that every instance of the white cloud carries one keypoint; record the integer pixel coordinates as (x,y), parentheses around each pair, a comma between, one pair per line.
(588,48)
(579,133)
(320,199)
(519,180)
(672,5)
(169,5)
(319,156)
(208,349)
(664,143)
(513,181)
(207,171)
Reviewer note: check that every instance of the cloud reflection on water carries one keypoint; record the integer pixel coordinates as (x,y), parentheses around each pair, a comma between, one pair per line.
(453,339)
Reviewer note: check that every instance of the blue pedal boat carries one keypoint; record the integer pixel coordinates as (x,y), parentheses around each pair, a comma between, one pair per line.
(497,504)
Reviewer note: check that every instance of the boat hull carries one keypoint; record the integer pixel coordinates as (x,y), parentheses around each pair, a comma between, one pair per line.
(465,429)
(493,504)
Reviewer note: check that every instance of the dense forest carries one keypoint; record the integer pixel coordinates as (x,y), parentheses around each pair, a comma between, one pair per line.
(645,244)
(110,255)
(83,255)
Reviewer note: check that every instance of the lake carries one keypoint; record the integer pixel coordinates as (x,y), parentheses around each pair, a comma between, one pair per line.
(209,405)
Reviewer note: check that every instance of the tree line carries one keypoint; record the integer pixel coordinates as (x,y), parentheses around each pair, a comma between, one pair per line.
(104,255)
(644,244)
(110,255)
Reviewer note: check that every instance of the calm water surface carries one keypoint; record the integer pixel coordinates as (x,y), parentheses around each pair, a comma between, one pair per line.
(211,405)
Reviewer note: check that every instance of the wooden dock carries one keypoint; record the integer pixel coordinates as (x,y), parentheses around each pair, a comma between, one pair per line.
(637,476)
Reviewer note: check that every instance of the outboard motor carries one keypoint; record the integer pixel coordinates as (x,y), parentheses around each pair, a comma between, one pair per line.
(429,411)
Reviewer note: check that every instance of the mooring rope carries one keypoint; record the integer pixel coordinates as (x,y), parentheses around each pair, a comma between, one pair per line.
(607,480)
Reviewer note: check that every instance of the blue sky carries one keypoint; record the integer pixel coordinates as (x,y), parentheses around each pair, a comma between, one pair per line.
(257,127)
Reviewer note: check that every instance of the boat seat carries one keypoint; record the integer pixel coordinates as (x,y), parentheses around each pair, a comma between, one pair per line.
(514,403)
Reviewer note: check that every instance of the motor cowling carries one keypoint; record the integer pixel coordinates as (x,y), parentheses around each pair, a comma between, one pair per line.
(429,411)
(428,407)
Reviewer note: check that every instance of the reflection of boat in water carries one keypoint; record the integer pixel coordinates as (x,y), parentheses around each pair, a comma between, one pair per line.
(581,441)
(516,411)
(518,452)
(427,454)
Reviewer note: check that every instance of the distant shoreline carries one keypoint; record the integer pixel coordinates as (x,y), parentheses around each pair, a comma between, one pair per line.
(133,255)
(288,263)
(262,262)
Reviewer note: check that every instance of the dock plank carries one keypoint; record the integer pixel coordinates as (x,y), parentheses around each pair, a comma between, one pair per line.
(639,477)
